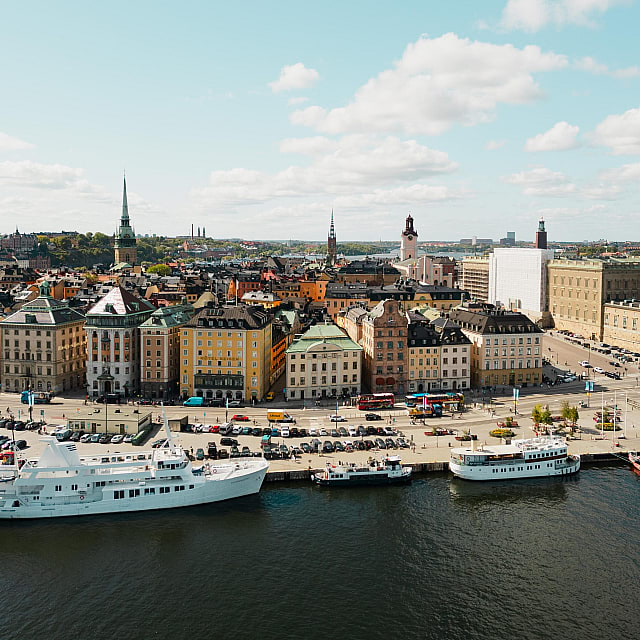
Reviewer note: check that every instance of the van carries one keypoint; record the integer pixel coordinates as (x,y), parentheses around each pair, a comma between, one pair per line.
(279,416)
(194,401)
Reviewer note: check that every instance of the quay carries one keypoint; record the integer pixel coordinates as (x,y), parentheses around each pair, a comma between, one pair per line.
(296,474)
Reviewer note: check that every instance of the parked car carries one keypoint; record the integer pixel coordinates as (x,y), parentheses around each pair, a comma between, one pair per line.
(235,403)
(327,446)
(285,432)
(372,417)
(76,435)
(343,432)
(86,437)
(129,437)
(302,432)
(199,453)
(246,452)
(353,431)
(228,442)
(338,446)
(305,447)
(334,433)
(380,443)
(117,439)
(270,396)
(313,431)
(21,444)
(105,438)
(155,444)
(19,425)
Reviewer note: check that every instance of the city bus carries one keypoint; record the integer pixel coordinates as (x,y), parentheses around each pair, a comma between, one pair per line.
(38,397)
(451,400)
(376,401)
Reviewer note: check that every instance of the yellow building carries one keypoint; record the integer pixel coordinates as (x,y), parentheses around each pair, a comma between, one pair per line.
(226,353)
(622,324)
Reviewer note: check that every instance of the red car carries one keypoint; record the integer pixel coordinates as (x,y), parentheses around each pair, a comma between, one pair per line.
(238,418)
(215,428)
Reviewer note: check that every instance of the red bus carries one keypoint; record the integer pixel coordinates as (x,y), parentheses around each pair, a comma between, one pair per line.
(376,401)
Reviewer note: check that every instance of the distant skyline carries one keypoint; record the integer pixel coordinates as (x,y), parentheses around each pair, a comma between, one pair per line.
(256,119)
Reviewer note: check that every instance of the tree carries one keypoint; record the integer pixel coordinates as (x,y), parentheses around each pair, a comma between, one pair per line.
(536,414)
(545,418)
(565,410)
(573,415)
(160,269)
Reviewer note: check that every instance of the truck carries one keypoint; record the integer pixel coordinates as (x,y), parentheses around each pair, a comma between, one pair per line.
(193,401)
(279,416)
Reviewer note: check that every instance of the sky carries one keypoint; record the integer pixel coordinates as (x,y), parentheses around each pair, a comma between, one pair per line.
(257,119)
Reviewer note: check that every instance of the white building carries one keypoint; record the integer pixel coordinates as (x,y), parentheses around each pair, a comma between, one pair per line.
(323,362)
(518,279)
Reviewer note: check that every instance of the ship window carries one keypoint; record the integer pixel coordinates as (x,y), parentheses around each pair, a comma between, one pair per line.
(74,487)
(134,493)
(148,491)
(58,487)
(190,486)
(117,495)
(165,489)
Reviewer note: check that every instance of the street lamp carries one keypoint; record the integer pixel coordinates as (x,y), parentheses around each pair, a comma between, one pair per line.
(103,378)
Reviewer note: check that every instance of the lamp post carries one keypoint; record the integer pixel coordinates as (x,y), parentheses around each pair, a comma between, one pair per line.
(103,378)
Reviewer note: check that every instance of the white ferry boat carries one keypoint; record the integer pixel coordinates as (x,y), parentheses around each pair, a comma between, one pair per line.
(533,458)
(63,483)
(389,471)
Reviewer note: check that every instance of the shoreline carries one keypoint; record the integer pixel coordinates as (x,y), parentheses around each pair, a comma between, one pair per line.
(423,468)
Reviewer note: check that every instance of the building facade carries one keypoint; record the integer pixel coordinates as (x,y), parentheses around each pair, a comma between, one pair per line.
(113,343)
(506,346)
(323,363)
(578,290)
(475,278)
(384,340)
(44,346)
(226,353)
(518,279)
(160,336)
(621,324)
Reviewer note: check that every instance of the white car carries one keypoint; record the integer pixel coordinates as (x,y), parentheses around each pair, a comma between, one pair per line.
(353,432)
(86,437)
(284,432)
(598,369)
(322,432)
(337,418)
(129,437)
(117,439)
(585,364)
(313,431)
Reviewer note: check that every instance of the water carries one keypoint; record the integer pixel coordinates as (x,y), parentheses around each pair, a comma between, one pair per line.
(549,558)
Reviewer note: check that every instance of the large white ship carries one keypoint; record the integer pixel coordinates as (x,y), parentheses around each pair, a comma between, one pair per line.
(63,483)
(533,458)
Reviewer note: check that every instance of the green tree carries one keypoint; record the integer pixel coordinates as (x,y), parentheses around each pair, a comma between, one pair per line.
(536,414)
(565,410)
(545,418)
(161,269)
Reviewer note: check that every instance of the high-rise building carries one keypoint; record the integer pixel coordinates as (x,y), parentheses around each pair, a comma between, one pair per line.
(332,244)
(125,249)
(475,277)
(408,241)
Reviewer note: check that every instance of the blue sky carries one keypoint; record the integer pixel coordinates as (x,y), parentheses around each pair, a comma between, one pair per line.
(256,119)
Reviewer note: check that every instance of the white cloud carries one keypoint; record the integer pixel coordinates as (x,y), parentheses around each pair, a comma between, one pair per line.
(560,137)
(625,173)
(619,132)
(294,76)
(541,181)
(349,165)
(412,194)
(8,143)
(532,15)
(593,66)
(437,83)
(297,100)
(492,145)
(33,174)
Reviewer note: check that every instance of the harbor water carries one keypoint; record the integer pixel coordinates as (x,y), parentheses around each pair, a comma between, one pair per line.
(440,558)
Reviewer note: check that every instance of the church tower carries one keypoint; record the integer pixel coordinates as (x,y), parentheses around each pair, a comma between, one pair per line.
(541,236)
(409,241)
(125,249)
(332,244)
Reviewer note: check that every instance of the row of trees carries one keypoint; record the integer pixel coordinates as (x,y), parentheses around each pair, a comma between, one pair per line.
(542,415)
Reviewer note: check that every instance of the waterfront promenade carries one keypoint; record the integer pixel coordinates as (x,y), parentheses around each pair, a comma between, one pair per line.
(479,419)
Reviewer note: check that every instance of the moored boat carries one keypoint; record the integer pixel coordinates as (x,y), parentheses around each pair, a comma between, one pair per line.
(389,471)
(63,483)
(634,459)
(532,458)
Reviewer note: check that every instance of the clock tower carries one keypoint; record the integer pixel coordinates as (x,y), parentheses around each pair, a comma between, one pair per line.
(409,241)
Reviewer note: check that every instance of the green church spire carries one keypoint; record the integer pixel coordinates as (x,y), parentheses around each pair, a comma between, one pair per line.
(125,206)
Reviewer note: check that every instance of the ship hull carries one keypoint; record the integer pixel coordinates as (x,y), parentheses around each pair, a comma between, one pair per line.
(369,481)
(511,472)
(205,491)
